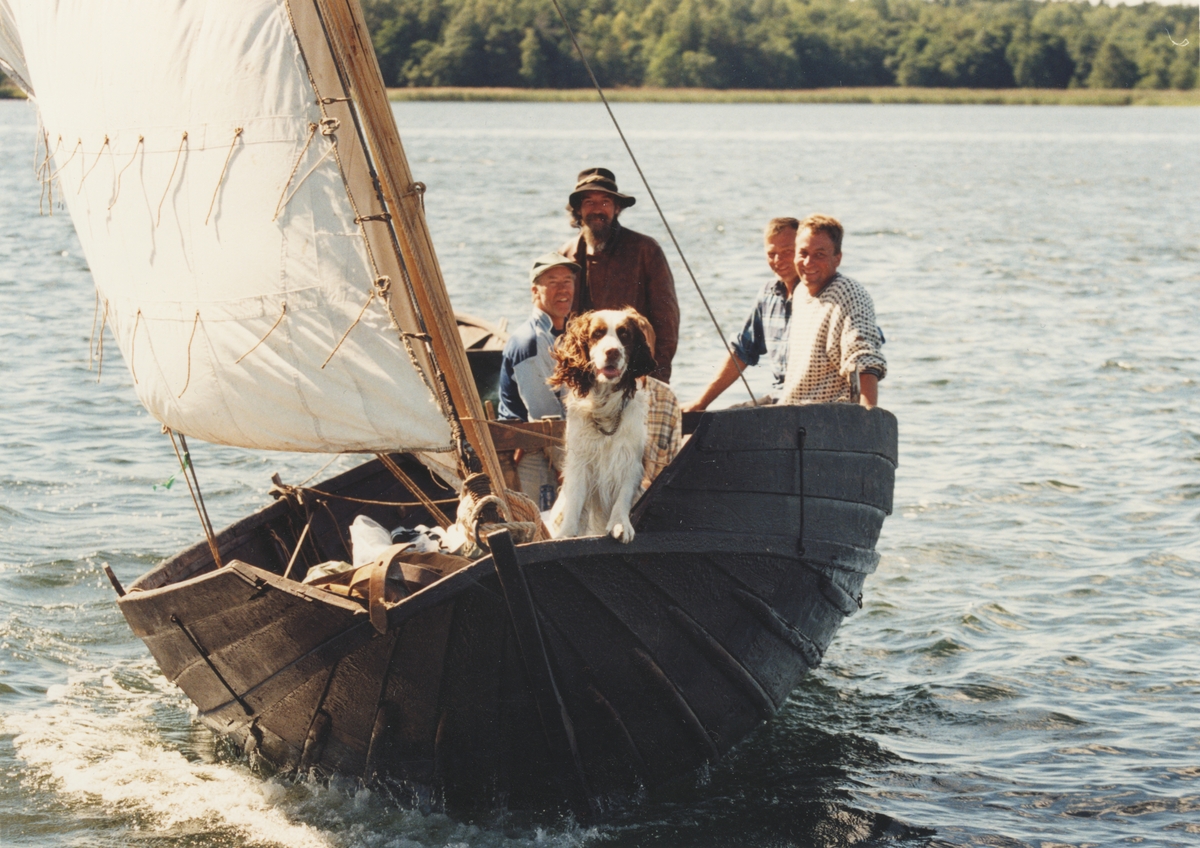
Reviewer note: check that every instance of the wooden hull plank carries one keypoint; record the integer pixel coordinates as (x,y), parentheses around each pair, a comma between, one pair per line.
(266,695)
(613,764)
(467,746)
(714,700)
(605,645)
(766,514)
(704,591)
(352,701)
(831,426)
(853,477)
(412,697)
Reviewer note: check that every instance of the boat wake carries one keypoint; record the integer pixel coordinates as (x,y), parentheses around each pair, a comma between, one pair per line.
(123,753)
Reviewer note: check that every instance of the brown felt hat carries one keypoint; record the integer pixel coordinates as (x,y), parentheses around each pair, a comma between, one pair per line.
(599,179)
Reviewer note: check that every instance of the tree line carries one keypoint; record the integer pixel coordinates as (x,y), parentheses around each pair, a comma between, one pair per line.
(777,44)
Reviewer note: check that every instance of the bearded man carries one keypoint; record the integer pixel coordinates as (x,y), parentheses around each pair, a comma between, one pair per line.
(620,268)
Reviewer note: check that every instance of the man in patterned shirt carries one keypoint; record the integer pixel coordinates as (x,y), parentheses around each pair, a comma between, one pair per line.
(834,337)
(766,330)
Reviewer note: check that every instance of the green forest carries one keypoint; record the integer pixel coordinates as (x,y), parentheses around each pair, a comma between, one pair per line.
(786,44)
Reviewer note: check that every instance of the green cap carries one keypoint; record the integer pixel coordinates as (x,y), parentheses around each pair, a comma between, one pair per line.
(544,263)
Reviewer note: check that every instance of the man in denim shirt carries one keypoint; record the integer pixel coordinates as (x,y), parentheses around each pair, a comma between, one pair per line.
(527,362)
(766,330)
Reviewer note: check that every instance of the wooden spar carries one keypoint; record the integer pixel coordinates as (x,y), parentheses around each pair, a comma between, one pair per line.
(348,37)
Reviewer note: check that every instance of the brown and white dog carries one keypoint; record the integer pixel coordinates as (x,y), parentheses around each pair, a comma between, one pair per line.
(600,358)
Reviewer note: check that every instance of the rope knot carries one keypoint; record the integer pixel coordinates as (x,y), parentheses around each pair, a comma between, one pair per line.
(329,126)
(382,285)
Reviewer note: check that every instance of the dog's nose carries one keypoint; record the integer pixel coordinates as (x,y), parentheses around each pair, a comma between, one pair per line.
(613,355)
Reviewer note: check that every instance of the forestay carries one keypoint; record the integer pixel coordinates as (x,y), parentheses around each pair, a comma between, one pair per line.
(223,214)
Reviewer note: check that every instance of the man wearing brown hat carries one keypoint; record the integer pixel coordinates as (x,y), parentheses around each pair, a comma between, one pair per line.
(620,268)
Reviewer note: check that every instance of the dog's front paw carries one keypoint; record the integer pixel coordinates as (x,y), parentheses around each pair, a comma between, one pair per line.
(622,531)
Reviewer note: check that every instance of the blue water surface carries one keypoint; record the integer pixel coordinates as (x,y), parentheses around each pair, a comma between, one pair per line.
(1024,671)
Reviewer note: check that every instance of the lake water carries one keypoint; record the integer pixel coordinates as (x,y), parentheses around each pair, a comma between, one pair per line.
(1024,670)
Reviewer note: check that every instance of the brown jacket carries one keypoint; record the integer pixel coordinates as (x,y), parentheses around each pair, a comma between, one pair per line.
(630,271)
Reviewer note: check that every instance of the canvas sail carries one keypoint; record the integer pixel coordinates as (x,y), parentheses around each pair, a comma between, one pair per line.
(226,212)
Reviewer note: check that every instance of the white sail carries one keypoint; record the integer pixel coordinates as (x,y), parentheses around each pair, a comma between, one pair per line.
(186,140)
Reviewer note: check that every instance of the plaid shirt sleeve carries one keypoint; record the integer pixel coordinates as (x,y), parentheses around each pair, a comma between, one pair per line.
(751,342)
(664,428)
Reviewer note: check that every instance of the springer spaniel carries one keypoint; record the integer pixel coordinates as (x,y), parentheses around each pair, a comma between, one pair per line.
(600,358)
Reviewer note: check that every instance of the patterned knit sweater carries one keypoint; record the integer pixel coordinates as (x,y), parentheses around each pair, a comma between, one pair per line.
(832,335)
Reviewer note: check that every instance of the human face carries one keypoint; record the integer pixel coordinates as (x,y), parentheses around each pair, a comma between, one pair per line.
(816,260)
(598,210)
(554,292)
(781,256)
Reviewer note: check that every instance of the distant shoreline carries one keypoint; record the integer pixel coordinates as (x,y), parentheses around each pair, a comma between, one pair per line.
(890,94)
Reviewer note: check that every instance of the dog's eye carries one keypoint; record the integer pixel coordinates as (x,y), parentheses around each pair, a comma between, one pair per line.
(623,334)
(598,333)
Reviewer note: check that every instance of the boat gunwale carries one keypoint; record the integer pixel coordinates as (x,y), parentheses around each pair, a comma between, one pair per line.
(529,554)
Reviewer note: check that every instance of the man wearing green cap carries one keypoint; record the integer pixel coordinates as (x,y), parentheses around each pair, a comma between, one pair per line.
(620,268)
(527,362)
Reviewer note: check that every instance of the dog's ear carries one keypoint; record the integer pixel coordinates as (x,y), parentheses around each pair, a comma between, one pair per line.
(574,369)
(641,356)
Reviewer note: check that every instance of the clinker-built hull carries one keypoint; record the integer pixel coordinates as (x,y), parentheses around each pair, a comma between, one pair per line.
(578,671)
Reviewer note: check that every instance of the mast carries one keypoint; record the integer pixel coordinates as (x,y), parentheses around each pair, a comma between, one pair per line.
(402,226)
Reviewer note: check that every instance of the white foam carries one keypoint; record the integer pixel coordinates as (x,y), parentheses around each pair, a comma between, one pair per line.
(107,740)
(97,741)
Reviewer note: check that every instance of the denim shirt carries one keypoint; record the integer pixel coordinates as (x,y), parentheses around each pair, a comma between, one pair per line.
(525,366)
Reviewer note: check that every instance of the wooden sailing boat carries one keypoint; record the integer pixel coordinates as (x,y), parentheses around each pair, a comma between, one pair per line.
(260,249)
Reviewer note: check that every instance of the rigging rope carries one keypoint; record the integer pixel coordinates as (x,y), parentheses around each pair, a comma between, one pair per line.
(588,65)
(282,312)
(188,381)
(117,189)
(92,340)
(380,289)
(99,153)
(171,179)
(185,464)
(328,128)
(74,150)
(100,343)
(237,133)
(410,484)
(133,347)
